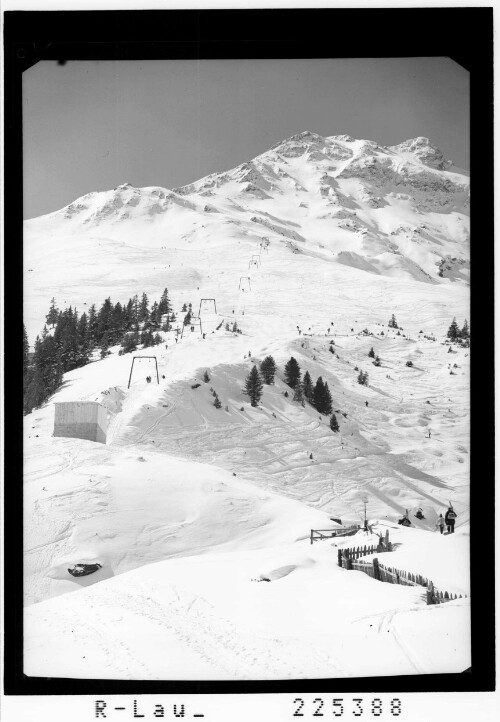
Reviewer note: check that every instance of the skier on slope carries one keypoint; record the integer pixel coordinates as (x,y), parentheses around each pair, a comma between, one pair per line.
(449,519)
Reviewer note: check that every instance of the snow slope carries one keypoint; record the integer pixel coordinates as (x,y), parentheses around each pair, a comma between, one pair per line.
(188,505)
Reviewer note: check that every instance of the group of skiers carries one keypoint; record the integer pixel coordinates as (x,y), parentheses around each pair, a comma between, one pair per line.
(448,520)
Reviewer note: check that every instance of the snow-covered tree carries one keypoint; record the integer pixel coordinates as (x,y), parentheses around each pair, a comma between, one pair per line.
(206,377)
(165,305)
(392,323)
(53,313)
(292,372)
(268,369)
(322,399)
(307,387)
(334,424)
(464,333)
(104,346)
(453,331)
(26,348)
(254,386)
(363,378)
(298,393)
(371,353)
(143,311)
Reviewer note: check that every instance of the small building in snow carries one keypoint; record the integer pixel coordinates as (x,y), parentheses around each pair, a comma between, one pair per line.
(81,420)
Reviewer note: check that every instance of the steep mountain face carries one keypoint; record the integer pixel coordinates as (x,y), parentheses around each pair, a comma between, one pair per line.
(398,211)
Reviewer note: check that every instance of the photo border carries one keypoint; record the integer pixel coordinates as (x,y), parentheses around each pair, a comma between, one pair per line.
(463,34)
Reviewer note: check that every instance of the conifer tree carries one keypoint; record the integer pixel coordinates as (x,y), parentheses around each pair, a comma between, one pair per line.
(116,323)
(143,311)
(104,345)
(292,372)
(363,378)
(187,318)
(268,369)
(453,331)
(308,388)
(147,338)
(464,333)
(392,323)
(154,316)
(254,386)
(218,404)
(92,327)
(104,320)
(53,313)
(334,424)
(165,305)
(298,393)
(26,348)
(322,398)
(129,342)
(371,353)
(206,377)
(46,376)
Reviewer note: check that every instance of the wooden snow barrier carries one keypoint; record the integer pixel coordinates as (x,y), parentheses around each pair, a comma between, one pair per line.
(349,559)
(318,534)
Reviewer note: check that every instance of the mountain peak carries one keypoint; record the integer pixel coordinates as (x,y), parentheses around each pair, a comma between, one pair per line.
(427,153)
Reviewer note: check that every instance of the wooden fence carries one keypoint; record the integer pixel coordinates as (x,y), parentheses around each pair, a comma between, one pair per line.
(318,534)
(349,559)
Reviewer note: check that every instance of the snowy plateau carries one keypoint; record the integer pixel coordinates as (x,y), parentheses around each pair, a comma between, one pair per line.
(201,516)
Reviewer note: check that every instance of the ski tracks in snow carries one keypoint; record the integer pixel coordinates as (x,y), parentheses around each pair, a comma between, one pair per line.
(229,651)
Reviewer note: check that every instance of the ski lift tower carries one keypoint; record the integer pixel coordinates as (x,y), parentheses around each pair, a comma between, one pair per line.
(132,368)
(195,321)
(365,526)
(245,278)
(202,300)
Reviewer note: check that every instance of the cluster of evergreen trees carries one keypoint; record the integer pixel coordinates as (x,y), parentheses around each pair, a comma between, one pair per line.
(73,337)
(318,394)
(392,322)
(457,334)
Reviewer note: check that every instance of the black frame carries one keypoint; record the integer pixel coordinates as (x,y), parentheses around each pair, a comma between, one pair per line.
(465,35)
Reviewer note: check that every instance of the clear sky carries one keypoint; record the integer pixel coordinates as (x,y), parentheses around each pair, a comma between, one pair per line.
(91,125)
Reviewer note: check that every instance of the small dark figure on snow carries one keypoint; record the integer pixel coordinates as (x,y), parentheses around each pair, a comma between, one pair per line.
(419,514)
(163,376)
(440,524)
(204,335)
(449,519)
(366,403)
(405,521)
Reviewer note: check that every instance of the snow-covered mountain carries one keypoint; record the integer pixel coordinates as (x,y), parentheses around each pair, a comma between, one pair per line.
(310,247)
(399,211)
